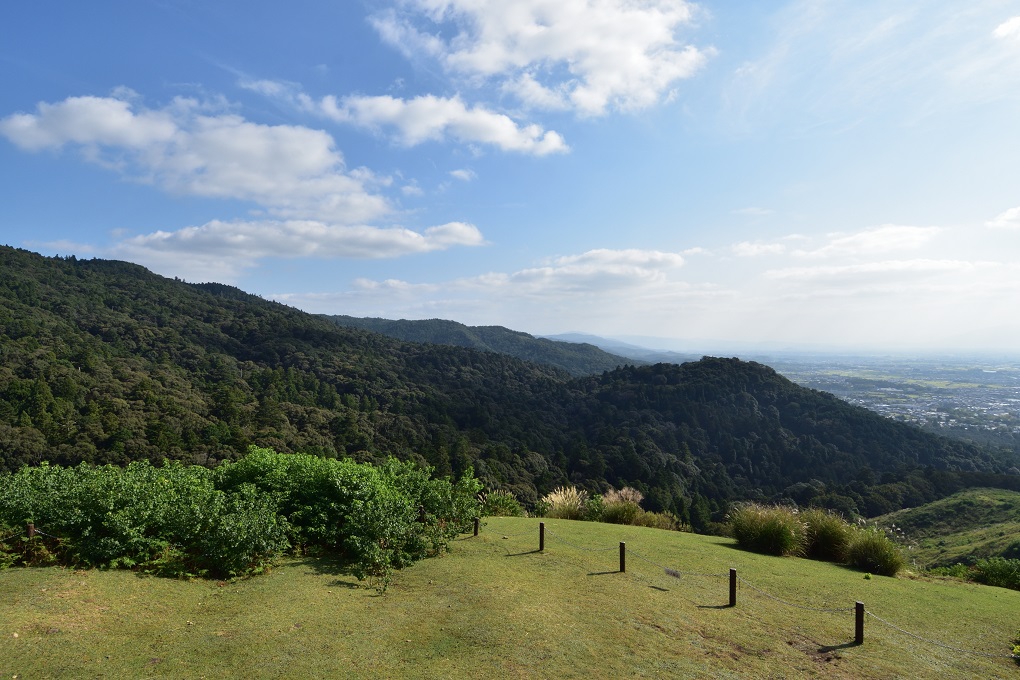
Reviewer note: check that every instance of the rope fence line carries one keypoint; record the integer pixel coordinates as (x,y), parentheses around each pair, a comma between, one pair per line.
(937,643)
(549,532)
(858,609)
(829,610)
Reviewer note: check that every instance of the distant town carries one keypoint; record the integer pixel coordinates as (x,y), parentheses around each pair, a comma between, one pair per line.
(973,398)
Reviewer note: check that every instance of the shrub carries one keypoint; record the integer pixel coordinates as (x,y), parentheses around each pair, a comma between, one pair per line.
(621,513)
(997,571)
(565,502)
(826,535)
(773,530)
(621,506)
(624,495)
(501,504)
(871,550)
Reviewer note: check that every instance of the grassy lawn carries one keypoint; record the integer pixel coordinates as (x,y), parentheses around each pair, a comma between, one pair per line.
(494,607)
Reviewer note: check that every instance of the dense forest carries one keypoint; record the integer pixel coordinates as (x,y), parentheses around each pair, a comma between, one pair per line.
(574,357)
(105,362)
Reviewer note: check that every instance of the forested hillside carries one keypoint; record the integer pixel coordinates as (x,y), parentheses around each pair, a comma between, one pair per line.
(104,361)
(576,358)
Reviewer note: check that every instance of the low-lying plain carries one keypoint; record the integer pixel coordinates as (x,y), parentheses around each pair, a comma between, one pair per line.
(496,607)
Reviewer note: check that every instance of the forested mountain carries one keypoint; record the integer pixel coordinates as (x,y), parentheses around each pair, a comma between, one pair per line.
(103,361)
(576,358)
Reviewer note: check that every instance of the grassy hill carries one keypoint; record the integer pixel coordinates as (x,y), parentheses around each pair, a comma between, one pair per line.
(494,607)
(575,358)
(971,524)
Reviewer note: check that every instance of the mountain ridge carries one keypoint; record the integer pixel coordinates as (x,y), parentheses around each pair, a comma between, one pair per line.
(106,362)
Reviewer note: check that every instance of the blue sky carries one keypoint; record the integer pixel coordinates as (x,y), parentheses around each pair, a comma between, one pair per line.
(840,175)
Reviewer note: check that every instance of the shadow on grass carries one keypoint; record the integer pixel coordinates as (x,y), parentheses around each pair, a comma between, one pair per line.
(833,648)
(331,565)
(713,606)
(603,573)
(526,552)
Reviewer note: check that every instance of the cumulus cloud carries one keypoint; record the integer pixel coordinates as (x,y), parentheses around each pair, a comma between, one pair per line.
(292,171)
(1009,29)
(1009,219)
(886,238)
(227,249)
(431,118)
(590,55)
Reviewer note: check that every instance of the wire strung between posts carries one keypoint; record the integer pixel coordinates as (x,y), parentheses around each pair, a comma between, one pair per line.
(675,573)
(939,644)
(574,545)
(43,533)
(794,604)
(3,540)
(529,532)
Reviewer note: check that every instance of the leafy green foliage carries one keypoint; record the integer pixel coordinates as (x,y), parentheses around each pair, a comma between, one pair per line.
(501,503)
(189,520)
(997,571)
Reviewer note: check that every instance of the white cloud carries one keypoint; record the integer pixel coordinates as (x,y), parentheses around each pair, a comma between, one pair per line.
(224,250)
(1009,219)
(431,118)
(463,174)
(293,171)
(871,270)
(1008,29)
(748,249)
(593,55)
(886,238)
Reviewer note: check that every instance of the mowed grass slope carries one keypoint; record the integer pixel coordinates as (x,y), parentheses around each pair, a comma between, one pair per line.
(972,523)
(494,607)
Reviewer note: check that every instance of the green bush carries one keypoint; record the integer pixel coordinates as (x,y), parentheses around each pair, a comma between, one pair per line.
(501,504)
(872,551)
(772,530)
(160,519)
(826,535)
(188,520)
(997,571)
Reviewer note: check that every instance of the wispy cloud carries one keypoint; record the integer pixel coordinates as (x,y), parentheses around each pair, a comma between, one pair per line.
(227,249)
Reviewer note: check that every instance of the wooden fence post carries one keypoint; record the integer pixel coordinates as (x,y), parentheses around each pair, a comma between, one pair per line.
(30,529)
(733,587)
(623,557)
(859,624)
(476,526)
(541,536)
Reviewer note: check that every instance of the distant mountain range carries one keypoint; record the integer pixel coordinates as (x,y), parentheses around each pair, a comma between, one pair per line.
(577,357)
(624,349)
(105,362)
